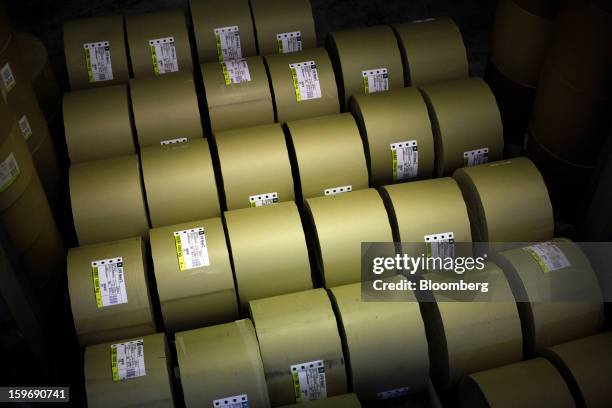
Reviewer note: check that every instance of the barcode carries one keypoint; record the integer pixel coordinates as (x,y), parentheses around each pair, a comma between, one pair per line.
(113,299)
(130,372)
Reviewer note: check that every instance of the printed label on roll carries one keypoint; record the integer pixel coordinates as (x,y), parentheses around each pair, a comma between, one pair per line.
(476,157)
(549,256)
(163,53)
(405,159)
(236,72)
(24,126)
(8,79)
(375,80)
(338,190)
(305,80)
(309,381)
(191,248)
(289,42)
(98,60)
(9,172)
(440,245)
(228,43)
(127,360)
(173,141)
(396,393)
(237,401)
(109,282)
(263,199)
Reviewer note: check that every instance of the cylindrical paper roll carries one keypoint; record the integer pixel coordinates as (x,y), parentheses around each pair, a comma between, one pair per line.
(341,224)
(255,166)
(524,195)
(466,123)
(159,43)
(393,124)
(303,85)
(330,156)
(5,29)
(491,319)
(16,167)
(107,200)
(98,124)
(366,60)
(299,342)
(386,344)
(223,29)
(221,363)
(344,401)
(165,109)
(48,168)
(583,363)
(238,94)
(283,27)
(269,251)
(557,292)
(109,293)
(180,182)
(7,120)
(530,384)
(95,50)
(432,51)
(149,386)
(193,274)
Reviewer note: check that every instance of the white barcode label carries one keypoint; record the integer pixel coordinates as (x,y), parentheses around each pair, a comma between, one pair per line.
(191,248)
(235,72)
(289,42)
(98,60)
(163,53)
(440,245)
(109,282)
(9,172)
(8,79)
(396,393)
(549,256)
(375,80)
(309,381)
(305,80)
(173,141)
(263,199)
(405,159)
(476,157)
(228,43)
(127,360)
(338,190)
(24,126)
(237,401)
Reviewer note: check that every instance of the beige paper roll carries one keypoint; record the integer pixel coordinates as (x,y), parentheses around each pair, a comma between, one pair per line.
(96,324)
(386,344)
(466,123)
(193,295)
(237,105)
(546,320)
(584,363)
(269,251)
(365,49)
(294,330)
(432,51)
(341,224)
(180,182)
(106,35)
(5,29)
(518,212)
(344,401)
(254,165)
(530,384)
(274,18)
(16,167)
(390,118)
(48,168)
(330,156)
(146,31)
(165,108)
(470,332)
(210,17)
(98,124)
(220,362)
(7,120)
(154,389)
(289,106)
(107,200)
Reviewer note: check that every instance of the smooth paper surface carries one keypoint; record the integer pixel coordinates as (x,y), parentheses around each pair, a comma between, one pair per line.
(16,166)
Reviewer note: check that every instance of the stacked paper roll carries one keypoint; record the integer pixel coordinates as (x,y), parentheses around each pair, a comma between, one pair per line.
(329,155)
(193,275)
(346,401)
(305,363)
(109,292)
(398,135)
(432,51)
(96,53)
(5,29)
(222,363)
